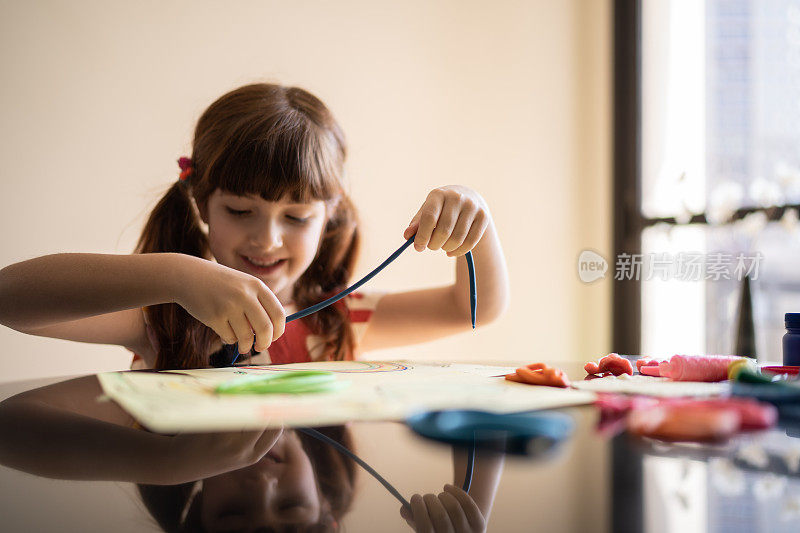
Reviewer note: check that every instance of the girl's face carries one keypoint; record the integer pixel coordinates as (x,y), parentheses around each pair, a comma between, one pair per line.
(273,241)
(279,490)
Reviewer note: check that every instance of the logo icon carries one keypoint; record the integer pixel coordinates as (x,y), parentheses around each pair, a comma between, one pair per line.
(591,266)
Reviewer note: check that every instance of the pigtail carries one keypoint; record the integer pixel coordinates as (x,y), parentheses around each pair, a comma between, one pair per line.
(173,226)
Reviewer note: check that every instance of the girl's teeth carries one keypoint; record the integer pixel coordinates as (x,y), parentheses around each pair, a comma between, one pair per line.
(263,264)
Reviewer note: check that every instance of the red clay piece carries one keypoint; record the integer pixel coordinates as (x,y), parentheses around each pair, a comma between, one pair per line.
(611,364)
(591,368)
(615,364)
(645,362)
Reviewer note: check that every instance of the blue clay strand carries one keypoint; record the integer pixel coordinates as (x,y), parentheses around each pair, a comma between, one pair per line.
(470,466)
(392,490)
(324,438)
(473,292)
(333,299)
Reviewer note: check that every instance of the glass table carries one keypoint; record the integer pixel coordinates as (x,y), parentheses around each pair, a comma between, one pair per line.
(71,463)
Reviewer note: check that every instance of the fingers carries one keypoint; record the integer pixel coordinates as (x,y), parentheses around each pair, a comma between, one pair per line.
(247,441)
(273,307)
(438,514)
(445,223)
(407,515)
(266,441)
(457,516)
(420,513)
(470,508)
(452,219)
(225,333)
(244,333)
(262,327)
(460,230)
(261,321)
(428,218)
(476,231)
(412,226)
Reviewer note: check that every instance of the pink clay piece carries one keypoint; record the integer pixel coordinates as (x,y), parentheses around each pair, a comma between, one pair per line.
(699,367)
(650,370)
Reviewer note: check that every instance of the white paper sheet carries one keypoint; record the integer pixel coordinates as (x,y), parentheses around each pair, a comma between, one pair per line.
(652,386)
(173,401)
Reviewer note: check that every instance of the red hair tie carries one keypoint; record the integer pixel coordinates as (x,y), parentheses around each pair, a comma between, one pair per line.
(186,168)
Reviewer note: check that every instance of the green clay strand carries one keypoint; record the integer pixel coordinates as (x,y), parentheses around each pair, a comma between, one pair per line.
(282,383)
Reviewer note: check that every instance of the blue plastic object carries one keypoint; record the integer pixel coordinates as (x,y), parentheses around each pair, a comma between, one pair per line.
(515,433)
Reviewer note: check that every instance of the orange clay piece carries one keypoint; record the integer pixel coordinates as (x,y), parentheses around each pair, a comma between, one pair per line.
(540,374)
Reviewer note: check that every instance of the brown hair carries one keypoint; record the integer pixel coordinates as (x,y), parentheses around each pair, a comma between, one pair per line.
(177,508)
(273,141)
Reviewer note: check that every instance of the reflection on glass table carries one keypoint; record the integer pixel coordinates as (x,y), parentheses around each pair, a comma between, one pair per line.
(285,479)
(273,479)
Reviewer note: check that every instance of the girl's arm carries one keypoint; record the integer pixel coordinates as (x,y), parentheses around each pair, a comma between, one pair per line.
(457,220)
(60,288)
(487,470)
(124,328)
(63,296)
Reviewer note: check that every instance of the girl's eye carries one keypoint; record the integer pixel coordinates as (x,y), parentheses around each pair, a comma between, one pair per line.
(298,220)
(237,212)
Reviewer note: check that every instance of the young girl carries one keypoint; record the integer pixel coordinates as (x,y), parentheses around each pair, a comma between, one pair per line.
(257,226)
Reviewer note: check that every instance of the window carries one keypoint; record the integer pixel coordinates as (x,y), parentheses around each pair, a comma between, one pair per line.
(711,193)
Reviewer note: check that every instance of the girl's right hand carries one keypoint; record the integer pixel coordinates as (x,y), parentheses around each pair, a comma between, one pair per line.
(236,305)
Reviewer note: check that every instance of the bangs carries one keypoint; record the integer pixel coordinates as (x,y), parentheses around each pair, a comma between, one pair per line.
(280,157)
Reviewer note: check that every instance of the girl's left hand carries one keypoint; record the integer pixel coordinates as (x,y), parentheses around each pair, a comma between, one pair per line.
(452,511)
(452,218)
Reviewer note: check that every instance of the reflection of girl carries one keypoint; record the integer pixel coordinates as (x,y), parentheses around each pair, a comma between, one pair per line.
(300,485)
(280,479)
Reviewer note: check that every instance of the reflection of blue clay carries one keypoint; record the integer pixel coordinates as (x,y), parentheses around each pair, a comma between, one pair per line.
(473,291)
(516,433)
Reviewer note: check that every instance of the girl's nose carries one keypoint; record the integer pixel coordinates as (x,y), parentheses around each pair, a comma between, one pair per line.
(269,237)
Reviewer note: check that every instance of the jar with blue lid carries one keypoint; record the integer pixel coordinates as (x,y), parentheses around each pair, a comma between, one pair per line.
(791,341)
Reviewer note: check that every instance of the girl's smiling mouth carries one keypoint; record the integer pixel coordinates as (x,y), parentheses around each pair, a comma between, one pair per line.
(262,267)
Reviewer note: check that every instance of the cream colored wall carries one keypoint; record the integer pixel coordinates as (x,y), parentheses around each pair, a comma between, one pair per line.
(99,99)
